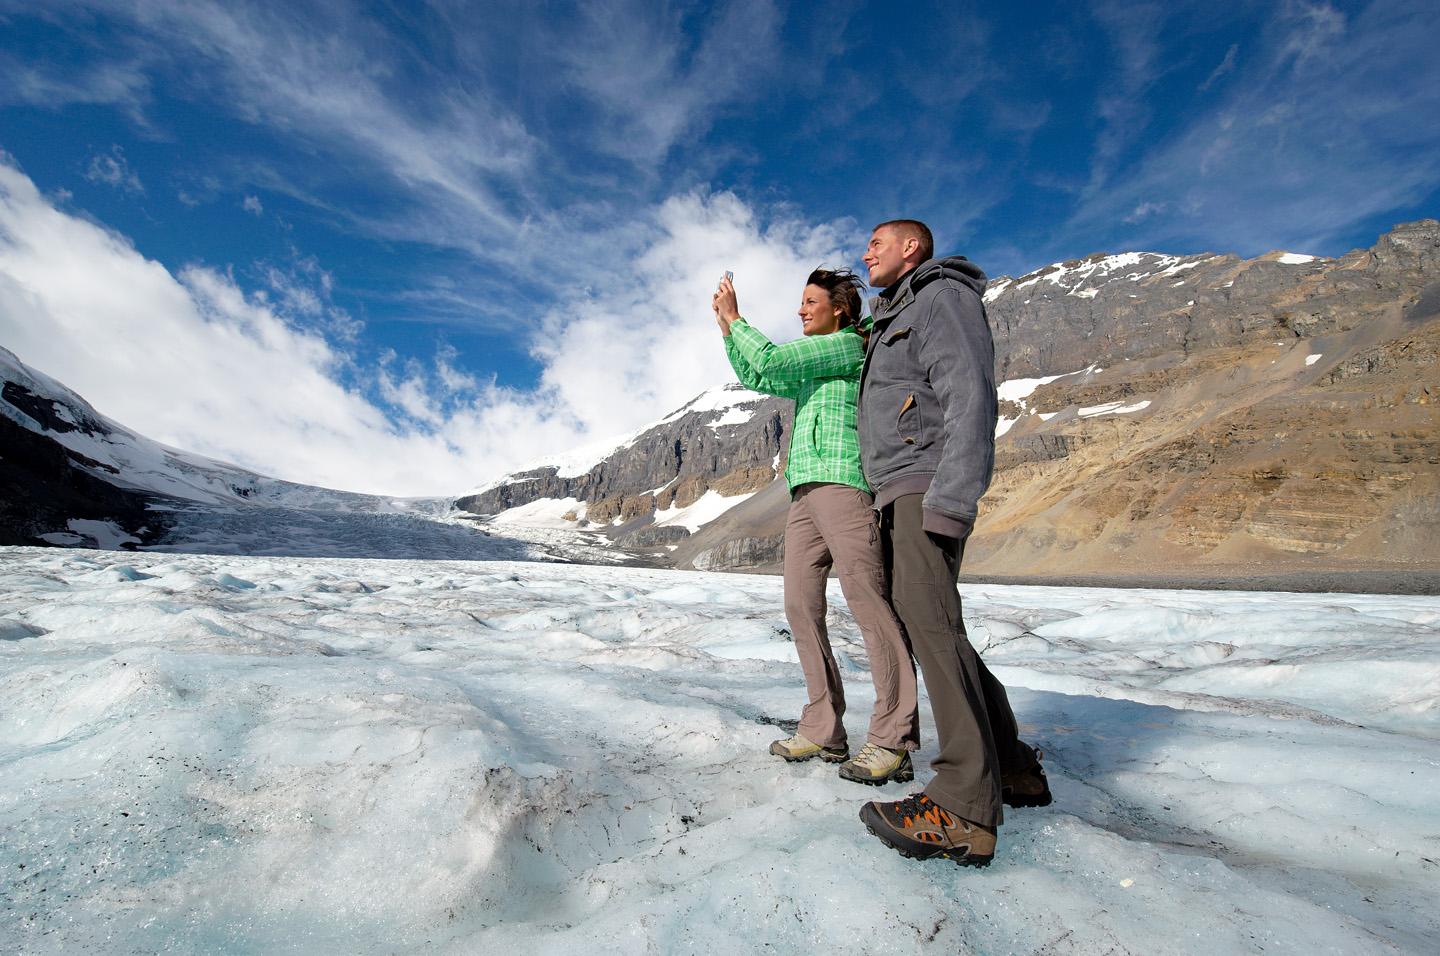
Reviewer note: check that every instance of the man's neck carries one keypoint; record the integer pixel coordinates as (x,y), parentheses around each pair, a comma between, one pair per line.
(889,291)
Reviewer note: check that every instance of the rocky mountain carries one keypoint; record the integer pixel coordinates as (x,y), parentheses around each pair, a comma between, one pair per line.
(71,476)
(653,491)
(1198,414)
(1233,416)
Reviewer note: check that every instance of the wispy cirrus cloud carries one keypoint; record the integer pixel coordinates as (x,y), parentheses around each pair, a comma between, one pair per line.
(1331,121)
(658,76)
(1123,106)
(328,82)
(53,86)
(1227,65)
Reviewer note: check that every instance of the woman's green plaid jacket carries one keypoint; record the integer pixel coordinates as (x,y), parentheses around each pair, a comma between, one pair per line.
(822,374)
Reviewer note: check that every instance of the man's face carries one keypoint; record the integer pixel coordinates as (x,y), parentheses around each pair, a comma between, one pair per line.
(885,256)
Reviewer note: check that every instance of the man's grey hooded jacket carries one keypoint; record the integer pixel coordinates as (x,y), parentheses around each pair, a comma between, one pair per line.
(927,394)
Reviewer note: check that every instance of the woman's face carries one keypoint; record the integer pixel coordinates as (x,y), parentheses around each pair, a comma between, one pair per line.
(817,315)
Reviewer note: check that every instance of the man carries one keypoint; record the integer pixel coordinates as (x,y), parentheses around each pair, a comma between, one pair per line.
(927,442)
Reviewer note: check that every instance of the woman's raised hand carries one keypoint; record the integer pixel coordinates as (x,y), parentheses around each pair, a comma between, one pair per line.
(727,310)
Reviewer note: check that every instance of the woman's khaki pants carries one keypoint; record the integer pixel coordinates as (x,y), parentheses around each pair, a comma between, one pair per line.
(834,525)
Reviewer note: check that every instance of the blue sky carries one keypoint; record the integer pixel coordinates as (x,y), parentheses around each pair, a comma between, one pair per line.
(406,247)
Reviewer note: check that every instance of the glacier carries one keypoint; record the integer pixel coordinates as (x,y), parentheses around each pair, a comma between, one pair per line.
(204,752)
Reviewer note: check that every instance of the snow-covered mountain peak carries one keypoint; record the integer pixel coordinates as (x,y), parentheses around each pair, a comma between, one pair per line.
(729,400)
(721,405)
(124,458)
(1086,277)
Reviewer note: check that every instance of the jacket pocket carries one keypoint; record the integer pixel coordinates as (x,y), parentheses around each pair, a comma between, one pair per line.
(907,423)
(886,428)
(912,424)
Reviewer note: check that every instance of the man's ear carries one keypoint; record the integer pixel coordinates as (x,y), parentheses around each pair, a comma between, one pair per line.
(909,246)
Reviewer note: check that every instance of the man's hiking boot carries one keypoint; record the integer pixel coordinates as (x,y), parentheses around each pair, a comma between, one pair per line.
(875,765)
(1028,787)
(798,748)
(919,828)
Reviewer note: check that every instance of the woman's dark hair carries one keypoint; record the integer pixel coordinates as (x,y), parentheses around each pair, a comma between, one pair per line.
(844,287)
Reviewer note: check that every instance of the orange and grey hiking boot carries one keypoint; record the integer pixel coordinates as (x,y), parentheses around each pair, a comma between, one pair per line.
(919,828)
(800,748)
(875,765)
(1028,787)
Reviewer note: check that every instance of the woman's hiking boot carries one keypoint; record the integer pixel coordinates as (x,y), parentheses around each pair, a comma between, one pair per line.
(875,765)
(1028,787)
(799,748)
(919,828)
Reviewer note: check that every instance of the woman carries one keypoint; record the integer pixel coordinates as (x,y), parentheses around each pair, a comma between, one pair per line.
(830,522)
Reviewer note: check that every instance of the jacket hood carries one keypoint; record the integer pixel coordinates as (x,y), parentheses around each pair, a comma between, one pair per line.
(951,267)
(954,268)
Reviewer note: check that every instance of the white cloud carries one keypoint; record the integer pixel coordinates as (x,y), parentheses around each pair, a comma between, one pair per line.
(253,206)
(193,361)
(113,169)
(1145,210)
(455,156)
(633,353)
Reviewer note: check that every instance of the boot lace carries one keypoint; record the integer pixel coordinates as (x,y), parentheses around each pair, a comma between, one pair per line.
(874,757)
(917,806)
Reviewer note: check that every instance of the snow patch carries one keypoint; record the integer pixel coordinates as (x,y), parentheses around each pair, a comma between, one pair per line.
(1112,408)
(732,416)
(1294,259)
(543,513)
(706,509)
(995,289)
(1017,390)
(1129,266)
(718,399)
(1312,359)
(104,535)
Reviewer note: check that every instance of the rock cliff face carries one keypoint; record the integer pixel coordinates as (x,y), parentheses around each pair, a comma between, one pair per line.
(1195,412)
(45,486)
(729,441)
(1285,420)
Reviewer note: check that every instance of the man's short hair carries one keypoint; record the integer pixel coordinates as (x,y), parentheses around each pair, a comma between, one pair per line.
(908,228)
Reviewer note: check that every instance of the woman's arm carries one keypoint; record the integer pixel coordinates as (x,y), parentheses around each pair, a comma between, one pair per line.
(837,355)
(752,379)
(727,316)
